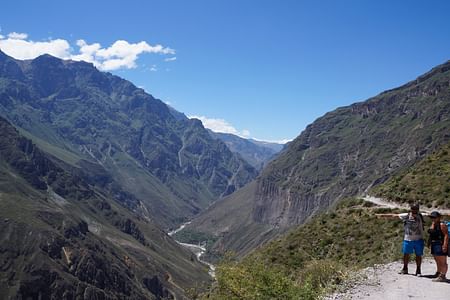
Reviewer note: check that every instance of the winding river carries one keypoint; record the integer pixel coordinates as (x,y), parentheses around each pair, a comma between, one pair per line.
(196,249)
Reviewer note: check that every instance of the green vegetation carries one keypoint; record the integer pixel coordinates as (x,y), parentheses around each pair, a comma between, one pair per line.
(313,258)
(194,237)
(342,154)
(427,182)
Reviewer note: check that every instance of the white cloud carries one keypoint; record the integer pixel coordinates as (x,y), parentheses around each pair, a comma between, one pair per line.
(220,125)
(120,55)
(153,68)
(283,141)
(87,52)
(23,49)
(171,58)
(2,36)
(17,36)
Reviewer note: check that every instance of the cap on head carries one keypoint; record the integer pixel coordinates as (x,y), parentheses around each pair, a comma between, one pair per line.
(435,214)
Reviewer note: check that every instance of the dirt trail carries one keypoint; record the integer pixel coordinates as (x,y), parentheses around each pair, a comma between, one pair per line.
(384,283)
(384,203)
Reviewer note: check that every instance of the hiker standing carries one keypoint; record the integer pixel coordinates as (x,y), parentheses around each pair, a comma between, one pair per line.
(438,243)
(413,239)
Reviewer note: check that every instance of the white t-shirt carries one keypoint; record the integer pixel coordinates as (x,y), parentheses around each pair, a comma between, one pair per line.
(413,226)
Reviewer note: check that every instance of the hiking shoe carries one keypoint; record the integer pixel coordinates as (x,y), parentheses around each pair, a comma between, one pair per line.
(403,271)
(436,275)
(440,278)
(418,273)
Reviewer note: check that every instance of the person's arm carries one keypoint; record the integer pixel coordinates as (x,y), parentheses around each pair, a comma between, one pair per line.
(390,216)
(427,214)
(445,231)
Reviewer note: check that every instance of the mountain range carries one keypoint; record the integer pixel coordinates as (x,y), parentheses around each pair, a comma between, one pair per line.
(94,171)
(256,153)
(344,153)
(119,136)
(62,238)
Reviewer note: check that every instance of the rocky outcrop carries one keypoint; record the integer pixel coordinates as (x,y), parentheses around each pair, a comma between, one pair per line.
(129,227)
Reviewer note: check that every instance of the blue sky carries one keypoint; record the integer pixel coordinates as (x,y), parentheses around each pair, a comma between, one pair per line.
(263,69)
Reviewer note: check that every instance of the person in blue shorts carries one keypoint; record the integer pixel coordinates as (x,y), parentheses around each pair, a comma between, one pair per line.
(413,242)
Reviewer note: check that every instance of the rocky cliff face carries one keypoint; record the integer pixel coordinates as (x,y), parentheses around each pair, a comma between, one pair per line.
(353,148)
(62,238)
(345,153)
(169,167)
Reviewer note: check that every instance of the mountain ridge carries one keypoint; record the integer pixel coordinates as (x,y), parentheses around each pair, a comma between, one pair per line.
(71,109)
(343,153)
(62,238)
(256,153)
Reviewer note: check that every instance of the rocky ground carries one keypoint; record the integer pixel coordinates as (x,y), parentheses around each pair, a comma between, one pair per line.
(384,282)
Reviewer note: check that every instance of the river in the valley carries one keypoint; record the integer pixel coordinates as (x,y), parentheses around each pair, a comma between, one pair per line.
(198,250)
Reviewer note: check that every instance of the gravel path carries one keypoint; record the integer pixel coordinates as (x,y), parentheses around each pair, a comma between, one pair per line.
(389,204)
(384,283)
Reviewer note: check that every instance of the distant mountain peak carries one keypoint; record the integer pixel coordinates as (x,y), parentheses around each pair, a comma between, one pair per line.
(254,152)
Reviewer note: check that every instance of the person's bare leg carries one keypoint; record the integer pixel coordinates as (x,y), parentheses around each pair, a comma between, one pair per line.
(438,263)
(418,264)
(442,268)
(405,261)
(442,264)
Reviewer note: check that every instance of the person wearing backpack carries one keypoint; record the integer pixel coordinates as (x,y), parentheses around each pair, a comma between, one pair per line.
(413,242)
(438,243)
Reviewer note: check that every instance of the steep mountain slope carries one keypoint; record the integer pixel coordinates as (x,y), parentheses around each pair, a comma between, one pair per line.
(427,182)
(257,153)
(313,258)
(120,137)
(320,253)
(343,153)
(61,238)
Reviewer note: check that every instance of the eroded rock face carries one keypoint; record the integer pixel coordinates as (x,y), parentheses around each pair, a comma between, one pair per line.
(347,151)
(41,266)
(155,286)
(129,227)
(47,247)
